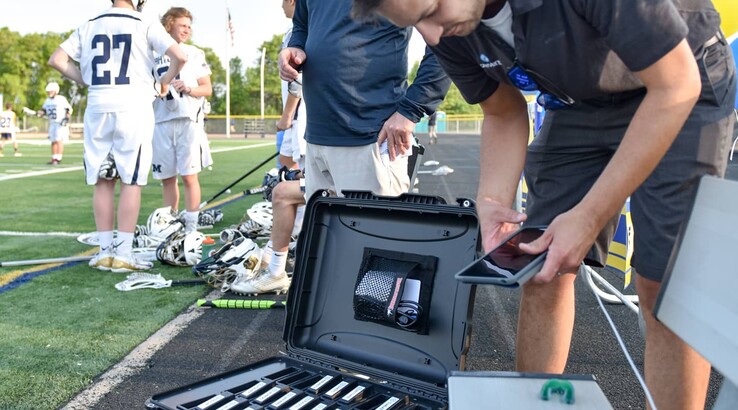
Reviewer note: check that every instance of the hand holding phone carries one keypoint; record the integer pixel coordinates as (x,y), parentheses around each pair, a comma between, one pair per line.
(506,265)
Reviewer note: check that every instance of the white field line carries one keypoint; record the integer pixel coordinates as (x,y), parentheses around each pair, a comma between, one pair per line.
(45,141)
(38,173)
(69,169)
(16,233)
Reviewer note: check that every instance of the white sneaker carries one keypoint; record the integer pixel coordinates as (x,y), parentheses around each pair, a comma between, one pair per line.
(264,282)
(129,263)
(102,260)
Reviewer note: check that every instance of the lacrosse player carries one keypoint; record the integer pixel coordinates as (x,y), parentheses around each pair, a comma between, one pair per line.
(116,61)
(57,109)
(7,129)
(180,143)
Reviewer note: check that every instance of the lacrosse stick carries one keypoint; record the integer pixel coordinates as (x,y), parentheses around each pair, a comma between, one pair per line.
(442,170)
(143,280)
(261,164)
(29,111)
(43,261)
(241,304)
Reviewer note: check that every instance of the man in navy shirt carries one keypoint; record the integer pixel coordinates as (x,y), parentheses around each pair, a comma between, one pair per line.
(357,97)
(639,99)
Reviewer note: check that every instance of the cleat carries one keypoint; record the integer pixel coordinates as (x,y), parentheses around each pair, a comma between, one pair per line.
(263,282)
(102,260)
(122,264)
(17,154)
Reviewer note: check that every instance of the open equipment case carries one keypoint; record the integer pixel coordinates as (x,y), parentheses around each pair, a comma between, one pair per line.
(375,318)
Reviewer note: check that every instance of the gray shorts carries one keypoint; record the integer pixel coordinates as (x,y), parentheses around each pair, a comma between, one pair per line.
(574,146)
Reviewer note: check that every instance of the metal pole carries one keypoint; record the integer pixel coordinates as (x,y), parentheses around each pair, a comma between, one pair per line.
(263,60)
(228,73)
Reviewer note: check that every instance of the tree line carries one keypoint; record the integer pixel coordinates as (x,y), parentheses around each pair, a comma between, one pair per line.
(24,74)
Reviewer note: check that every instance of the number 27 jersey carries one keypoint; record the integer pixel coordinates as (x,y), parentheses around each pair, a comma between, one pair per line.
(115,54)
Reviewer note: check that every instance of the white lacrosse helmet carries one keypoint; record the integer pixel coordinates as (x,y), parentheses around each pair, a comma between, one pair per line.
(261,213)
(52,86)
(232,260)
(162,223)
(181,249)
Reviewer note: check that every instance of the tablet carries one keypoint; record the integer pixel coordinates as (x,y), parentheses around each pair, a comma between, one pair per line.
(506,265)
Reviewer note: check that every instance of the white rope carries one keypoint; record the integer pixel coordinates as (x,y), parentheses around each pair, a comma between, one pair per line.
(736,138)
(615,296)
(625,351)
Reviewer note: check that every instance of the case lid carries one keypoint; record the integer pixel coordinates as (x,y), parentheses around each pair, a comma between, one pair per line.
(336,237)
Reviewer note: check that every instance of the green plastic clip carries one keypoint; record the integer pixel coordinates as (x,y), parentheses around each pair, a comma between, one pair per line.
(558,386)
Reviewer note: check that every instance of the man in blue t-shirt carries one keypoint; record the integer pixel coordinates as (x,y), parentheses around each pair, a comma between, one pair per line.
(355,89)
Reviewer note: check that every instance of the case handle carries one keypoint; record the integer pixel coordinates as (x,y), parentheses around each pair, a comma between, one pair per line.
(404,197)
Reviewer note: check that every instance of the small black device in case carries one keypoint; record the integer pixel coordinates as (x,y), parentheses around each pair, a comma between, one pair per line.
(375,318)
(506,265)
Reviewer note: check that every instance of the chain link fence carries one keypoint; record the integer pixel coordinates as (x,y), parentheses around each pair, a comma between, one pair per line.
(250,126)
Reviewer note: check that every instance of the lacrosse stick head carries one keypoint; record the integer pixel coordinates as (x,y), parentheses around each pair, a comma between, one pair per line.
(181,249)
(142,280)
(89,238)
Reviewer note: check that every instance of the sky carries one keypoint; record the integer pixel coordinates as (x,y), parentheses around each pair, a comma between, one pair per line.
(254,22)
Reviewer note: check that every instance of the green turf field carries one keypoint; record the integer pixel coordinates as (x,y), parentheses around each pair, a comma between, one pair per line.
(61,327)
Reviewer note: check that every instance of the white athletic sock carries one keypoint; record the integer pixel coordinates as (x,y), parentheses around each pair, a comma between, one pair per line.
(124,243)
(278,263)
(57,157)
(105,240)
(266,254)
(191,218)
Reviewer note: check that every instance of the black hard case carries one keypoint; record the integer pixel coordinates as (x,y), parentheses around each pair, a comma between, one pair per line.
(324,339)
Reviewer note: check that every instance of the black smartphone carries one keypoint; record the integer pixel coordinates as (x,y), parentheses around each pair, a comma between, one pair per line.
(506,265)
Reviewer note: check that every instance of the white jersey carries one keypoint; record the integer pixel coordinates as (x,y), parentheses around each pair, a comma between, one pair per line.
(177,105)
(115,54)
(7,122)
(56,109)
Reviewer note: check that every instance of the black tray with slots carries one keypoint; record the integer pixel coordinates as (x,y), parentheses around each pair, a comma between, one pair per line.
(334,360)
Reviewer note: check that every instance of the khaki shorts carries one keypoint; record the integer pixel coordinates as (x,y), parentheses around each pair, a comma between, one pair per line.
(361,168)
